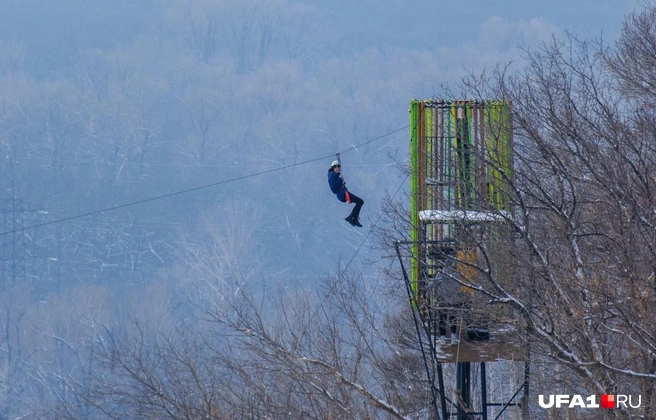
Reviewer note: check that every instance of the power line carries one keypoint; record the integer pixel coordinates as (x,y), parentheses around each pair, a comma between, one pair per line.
(372,229)
(340,274)
(189,190)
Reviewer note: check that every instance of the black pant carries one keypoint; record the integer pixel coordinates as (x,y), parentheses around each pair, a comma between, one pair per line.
(355,213)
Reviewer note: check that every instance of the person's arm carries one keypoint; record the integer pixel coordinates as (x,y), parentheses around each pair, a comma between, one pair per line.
(335,182)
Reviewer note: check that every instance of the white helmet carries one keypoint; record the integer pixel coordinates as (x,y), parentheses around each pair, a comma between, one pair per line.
(335,163)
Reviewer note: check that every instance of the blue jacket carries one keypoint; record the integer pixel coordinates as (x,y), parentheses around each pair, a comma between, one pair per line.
(337,185)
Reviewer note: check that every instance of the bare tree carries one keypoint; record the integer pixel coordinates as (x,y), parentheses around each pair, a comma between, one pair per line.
(582,250)
(281,352)
(331,352)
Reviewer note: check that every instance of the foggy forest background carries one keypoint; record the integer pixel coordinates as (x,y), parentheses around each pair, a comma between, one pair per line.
(117,102)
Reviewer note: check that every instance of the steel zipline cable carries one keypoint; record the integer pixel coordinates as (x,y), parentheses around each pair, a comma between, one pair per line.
(202,187)
(372,228)
(341,273)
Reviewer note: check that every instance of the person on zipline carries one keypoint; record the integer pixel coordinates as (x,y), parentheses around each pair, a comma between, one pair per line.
(338,187)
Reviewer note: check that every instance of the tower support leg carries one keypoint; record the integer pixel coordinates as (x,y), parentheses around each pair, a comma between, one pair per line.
(463,385)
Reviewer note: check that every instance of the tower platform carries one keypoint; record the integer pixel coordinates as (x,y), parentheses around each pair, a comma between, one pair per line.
(502,345)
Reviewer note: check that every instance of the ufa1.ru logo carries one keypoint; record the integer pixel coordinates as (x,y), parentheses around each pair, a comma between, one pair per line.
(578,401)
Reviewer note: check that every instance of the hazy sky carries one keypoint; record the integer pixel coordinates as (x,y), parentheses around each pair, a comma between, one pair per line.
(468,34)
(441,23)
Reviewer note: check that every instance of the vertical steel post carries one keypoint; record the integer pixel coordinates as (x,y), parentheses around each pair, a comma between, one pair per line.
(440,383)
(463,387)
(483,392)
(414,196)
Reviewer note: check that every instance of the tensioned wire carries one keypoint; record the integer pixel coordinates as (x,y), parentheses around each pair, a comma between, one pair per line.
(341,273)
(193,189)
(239,178)
(372,228)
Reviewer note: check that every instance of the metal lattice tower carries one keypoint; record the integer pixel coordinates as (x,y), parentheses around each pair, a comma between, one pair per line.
(461,163)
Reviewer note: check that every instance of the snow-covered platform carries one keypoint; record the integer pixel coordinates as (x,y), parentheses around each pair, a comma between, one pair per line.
(500,346)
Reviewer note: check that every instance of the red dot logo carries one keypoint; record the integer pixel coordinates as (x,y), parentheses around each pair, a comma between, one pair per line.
(607,401)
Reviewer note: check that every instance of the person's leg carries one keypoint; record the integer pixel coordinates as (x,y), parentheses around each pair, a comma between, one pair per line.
(355,213)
